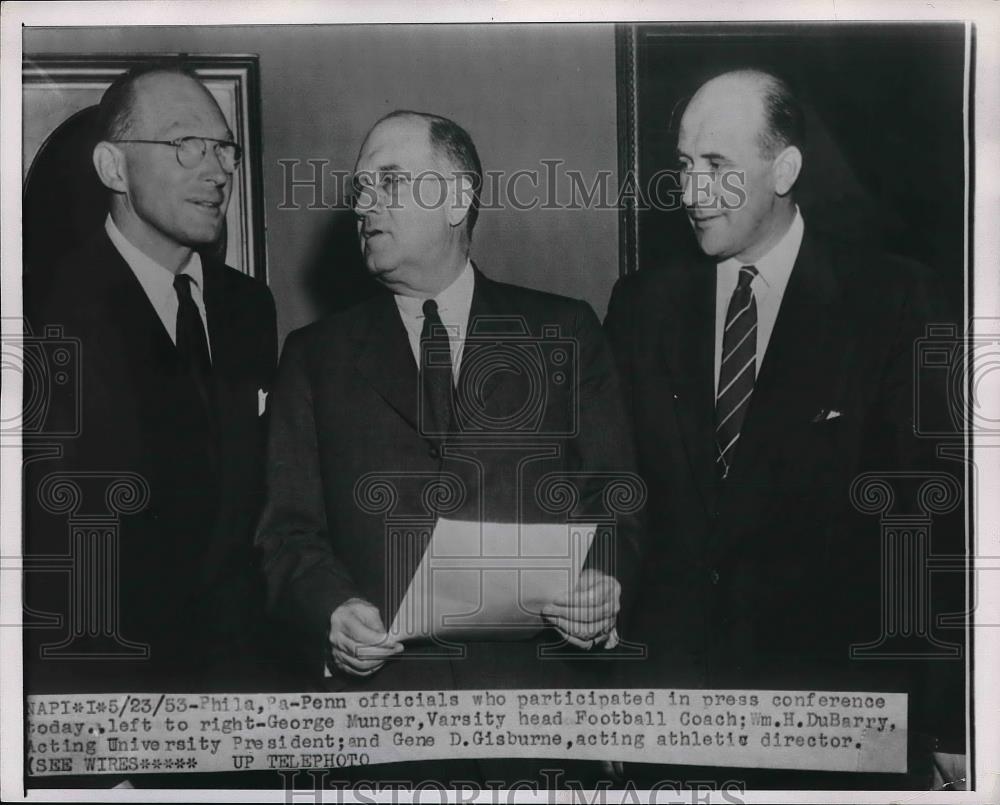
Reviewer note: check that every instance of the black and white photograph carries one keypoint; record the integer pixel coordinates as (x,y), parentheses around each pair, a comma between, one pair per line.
(492,401)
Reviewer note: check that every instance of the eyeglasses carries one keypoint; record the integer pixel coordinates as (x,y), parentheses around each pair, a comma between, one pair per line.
(370,186)
(191,151)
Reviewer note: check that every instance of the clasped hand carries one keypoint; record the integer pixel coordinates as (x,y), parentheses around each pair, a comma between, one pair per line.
(359,642)
(586,616)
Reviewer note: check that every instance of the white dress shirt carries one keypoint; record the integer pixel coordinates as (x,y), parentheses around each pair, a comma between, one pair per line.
(774,269)
(454,304)
(158,282)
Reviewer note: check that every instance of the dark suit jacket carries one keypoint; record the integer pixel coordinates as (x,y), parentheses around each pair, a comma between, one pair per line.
(345,415)
(767,580)
(188,587)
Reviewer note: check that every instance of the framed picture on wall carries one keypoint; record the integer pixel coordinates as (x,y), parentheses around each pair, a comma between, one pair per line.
(63,198)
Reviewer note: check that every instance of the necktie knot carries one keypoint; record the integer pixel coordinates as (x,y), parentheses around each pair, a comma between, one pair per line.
(182,285)
(747,276)
(433,328)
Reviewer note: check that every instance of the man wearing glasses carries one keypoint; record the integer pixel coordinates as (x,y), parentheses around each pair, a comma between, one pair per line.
(176,356)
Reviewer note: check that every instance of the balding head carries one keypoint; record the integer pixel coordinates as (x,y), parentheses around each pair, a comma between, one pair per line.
(778,112)
(115,114)
(738,147)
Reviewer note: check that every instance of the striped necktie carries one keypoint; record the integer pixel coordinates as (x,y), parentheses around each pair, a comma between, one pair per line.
(737,371)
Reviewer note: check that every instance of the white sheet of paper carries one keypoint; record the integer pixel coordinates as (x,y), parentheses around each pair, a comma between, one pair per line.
(489,581)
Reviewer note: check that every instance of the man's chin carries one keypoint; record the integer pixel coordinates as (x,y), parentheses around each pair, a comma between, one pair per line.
(711,247)
(202,238)
(377,267)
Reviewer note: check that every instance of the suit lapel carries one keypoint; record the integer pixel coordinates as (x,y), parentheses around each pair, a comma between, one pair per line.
(219,315)
(499,381)
(385,359)
(800,370)
(688,348)
(137,326)
(136,334)
(225,340)
(489,318)
(387,362)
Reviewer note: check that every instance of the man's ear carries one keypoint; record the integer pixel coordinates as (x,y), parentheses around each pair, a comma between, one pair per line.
(109,162)
(460,197)
(786,167)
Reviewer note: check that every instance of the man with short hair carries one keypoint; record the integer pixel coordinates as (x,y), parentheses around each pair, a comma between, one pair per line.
(762,380)
(362,431)
(176,354)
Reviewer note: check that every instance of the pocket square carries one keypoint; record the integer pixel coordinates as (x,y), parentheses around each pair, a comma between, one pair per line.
(826,414)
(261,402)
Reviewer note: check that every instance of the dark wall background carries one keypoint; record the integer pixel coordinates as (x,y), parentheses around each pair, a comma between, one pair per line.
(884,161)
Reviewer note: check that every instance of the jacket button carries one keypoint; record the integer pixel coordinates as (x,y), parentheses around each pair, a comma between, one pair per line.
(715,576)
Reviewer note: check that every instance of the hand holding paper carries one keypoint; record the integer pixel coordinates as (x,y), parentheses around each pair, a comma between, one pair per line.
(586,615)
(359,643)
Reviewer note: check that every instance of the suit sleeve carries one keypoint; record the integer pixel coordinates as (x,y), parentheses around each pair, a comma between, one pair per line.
(305,580)
(619,333)
(269,352)
(617,327)
(606,450)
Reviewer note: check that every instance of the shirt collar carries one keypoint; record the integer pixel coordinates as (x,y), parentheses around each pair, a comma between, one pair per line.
(776,266)
(453,299)
(154,278)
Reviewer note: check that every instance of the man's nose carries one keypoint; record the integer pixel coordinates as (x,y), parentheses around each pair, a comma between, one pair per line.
(211,164)
(367,200)
(699,189)
(687,194)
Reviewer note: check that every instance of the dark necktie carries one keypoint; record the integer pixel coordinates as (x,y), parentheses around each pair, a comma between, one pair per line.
(435,371)
(192,344)
(737,371)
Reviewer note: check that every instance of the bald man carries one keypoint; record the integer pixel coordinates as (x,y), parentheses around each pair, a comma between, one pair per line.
(176,352)
(762,379)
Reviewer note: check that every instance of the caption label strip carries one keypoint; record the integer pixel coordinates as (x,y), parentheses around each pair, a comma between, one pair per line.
(140,733)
